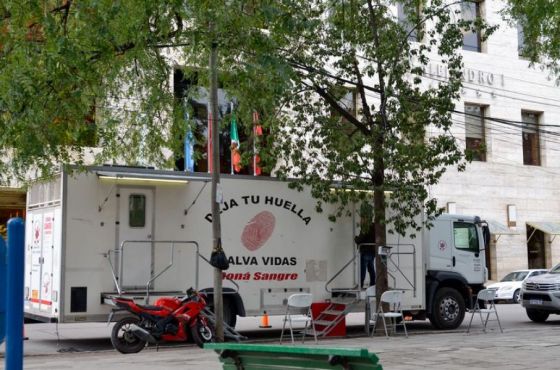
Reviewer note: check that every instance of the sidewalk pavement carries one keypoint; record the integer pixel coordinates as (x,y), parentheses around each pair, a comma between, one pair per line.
(527,345)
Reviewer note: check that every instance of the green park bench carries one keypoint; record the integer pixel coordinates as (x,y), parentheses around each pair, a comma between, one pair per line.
(241,356)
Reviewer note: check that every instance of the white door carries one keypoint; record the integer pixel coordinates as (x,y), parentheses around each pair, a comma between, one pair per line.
(467,258)
(35,251)
(441,245)
(136,219)
(45,295)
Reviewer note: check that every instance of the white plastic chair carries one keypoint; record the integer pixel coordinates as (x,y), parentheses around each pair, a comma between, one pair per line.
(487,296)
(393,298)
(298,304)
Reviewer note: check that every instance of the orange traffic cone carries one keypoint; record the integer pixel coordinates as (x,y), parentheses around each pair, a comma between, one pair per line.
(264,321)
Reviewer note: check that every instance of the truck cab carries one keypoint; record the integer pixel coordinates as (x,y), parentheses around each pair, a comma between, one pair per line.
(455,267)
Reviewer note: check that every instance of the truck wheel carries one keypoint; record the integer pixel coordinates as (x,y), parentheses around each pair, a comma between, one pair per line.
(537,315)
(448,310)
(122,338)
(229,312)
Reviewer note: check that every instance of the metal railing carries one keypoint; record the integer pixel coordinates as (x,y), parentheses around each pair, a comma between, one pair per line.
(118,277)
(396,264)
(353,259)
(393,259)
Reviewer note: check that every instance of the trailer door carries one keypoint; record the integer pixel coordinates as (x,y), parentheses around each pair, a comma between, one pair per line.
(41,260)
(136,226)
(35,250)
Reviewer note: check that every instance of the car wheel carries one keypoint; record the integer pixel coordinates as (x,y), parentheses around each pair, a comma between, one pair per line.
(516,295)
(537,315)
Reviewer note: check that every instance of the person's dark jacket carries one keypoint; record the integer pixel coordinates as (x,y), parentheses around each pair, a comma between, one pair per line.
(366,237)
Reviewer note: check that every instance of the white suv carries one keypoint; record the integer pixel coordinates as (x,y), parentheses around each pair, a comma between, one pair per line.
(540,295)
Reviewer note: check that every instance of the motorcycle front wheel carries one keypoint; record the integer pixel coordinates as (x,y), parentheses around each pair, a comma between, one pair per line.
(122,338)
(201,333)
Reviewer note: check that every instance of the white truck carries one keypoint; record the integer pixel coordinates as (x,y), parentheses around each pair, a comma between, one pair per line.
(146,233)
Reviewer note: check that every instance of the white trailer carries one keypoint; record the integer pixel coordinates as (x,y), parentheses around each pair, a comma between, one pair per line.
(131,231)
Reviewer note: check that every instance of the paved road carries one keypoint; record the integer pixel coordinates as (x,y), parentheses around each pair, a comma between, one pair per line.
(522,345)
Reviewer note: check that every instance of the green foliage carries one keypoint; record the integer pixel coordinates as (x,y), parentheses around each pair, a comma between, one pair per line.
(540,20)
(77,73)
(63,63)
(383,146)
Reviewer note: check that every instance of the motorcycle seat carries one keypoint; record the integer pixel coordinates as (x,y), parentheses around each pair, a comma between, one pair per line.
(150,308)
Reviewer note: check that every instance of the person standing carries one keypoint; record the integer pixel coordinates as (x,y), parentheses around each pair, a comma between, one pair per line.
(366,244)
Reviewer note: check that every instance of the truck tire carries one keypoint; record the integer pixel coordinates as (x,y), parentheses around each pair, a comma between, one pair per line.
(123,340)
(229,312)
(448,310)
(537,315)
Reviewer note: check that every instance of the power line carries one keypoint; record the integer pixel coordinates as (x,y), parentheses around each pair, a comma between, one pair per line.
(480,88)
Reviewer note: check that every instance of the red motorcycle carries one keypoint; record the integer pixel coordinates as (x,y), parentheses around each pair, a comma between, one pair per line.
(170,319)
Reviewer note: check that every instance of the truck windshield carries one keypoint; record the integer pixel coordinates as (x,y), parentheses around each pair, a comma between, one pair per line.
(515,276)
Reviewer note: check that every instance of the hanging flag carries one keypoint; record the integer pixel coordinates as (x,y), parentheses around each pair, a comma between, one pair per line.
(189,147)
(234,135)
(257,133)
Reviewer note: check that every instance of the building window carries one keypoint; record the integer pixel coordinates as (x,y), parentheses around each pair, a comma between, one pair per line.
(137,210)
(520,40)
(407,25)
(471,11)
(474,132)
(531,143)
(347,99)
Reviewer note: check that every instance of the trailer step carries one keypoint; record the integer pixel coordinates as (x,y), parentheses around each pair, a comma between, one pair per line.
(332,312)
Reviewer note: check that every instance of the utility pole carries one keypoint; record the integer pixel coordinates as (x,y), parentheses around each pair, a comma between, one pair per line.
(216,224)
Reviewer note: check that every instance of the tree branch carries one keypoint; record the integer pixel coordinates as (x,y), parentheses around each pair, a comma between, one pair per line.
(361,89)
(343,112)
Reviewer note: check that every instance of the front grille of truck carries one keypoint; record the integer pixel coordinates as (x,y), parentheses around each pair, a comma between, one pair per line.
(528,296)
(542,287)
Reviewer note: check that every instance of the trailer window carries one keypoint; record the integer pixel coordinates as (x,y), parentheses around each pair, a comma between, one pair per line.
(137,210)
(465,236)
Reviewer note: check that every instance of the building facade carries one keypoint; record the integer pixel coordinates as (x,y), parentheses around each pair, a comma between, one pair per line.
(510,112)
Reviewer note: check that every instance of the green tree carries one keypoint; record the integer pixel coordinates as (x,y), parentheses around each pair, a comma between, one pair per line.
(67,66)
(540,21)
(350,150)
(63,62)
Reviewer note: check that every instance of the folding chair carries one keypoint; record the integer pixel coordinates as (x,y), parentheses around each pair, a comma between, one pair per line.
(393,298)
(299,310)
(486,296)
